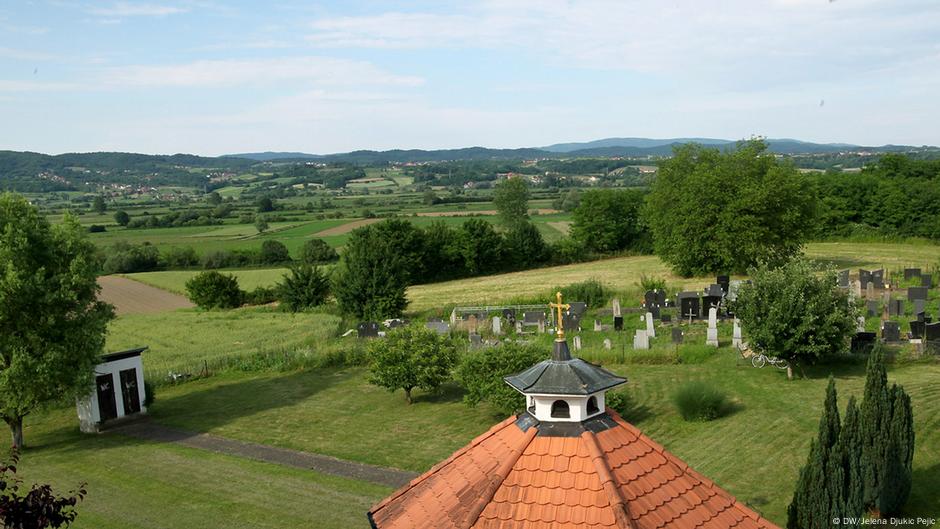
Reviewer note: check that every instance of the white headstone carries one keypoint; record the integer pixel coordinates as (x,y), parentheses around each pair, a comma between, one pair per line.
(861,324)
(650,329)
(712,334)
(870,290)
(607,344)
(576,341)
(597,326)
(518,326)
(617,307)
(736,334)
(541,326)
(857,288)
(497,326)
(641,340)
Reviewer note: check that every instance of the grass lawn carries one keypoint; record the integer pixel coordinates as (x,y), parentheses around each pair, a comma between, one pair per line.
(175,280)
(182,340)
(135,483)
(755,453)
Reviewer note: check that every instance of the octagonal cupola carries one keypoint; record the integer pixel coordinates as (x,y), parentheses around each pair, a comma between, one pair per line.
(564,389)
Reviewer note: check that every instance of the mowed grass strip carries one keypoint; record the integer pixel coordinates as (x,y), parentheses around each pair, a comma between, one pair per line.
(135,483)
(183,341)
(755,452)
(175,280)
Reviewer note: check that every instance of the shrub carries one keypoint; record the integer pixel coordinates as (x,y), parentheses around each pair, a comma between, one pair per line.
(698,401)
(481,374)
(411,357)
(651,283)
(180,257)
(273,252)
(122,218)
(317,251)
(591,291)
(303,287)
(229,259)
(261,296)
(210,290)
(122,258)
(96,228)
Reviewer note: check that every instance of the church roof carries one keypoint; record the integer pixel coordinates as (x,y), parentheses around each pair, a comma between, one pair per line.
(564,375)
(520,476)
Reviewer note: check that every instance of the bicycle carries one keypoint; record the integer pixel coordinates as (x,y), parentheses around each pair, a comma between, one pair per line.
(759,360)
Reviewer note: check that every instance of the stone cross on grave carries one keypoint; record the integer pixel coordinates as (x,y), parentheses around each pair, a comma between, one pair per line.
(560,334)
(691,314)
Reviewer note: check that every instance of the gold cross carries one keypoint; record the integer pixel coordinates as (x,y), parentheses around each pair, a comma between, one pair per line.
(560,335)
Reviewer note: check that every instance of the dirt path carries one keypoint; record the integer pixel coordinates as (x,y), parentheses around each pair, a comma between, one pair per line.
(132,297)
(151,431)
(345,228)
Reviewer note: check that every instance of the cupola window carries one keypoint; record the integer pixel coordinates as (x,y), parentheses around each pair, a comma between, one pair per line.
(592,406)
(560,410)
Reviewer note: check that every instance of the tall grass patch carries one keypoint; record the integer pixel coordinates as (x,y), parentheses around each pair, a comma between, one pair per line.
(699,401)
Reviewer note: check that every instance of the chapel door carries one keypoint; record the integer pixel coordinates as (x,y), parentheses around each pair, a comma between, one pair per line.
(129,391)
(107,406)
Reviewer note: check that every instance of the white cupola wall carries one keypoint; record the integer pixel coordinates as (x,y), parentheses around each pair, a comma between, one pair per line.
(565,408)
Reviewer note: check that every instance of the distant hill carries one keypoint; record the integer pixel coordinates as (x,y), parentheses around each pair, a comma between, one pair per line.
(269,156)
(641,143)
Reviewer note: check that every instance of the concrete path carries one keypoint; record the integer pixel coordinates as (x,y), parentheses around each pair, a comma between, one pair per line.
(151,431)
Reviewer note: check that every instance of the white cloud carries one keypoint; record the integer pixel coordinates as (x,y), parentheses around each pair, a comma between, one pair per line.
(9,85)
(320,70)
(24,55)
(136,9)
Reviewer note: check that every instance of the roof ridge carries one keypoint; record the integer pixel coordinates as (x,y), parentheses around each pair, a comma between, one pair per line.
(496,480)
(466,448)
(619,505)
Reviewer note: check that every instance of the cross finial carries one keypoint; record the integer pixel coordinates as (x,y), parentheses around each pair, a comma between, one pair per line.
(560,334)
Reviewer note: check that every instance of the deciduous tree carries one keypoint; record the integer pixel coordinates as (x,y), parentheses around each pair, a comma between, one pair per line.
(511,198)
(411,357)
(608,220)
(303,287)
(481,374)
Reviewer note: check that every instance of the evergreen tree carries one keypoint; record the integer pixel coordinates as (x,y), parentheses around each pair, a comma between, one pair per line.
(819,494)
(900,453)
(850,451)
(875,414)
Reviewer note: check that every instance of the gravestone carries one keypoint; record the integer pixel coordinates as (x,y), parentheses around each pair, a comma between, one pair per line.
(439,327)
(476,341)
(916,293)
(518,327)
(578,307)
(689,305)
(896,307)
(607,344)
(677,335)
(911,273)
(863,342)
(733,287)
(857,289)
(844,278)
(870,290)
(640,340)
(871,307)
(576,341)
(618,323)
(891,331)
(864,276)
(497,326)
(649,298)
(932,336)
(665,318)
(926,281)
(712,336)
(395,323)
(510,316)
(917,329)
(650,328)
(616,307)
(714,290)
(571,321)
(724,282)
(367,329)
(878,278)
(860,325)
(597,326)
(736,334)
(655,311)
(709,302)
(919,306)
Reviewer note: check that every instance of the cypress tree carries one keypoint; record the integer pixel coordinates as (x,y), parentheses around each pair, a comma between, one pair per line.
(875,415)
(850,450)
(818,497)
(899,453)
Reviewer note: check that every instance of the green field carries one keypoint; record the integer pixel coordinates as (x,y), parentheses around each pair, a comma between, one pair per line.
(182,341)
(134,483)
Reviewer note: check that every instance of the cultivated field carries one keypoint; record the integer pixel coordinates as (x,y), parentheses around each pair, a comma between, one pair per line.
(136,297)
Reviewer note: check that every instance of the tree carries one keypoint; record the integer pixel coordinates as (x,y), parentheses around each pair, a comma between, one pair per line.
(608,220)
(376,267)
(53,324)
(411,357)
(265,204)
(791,312)
(482,247)
(481,374)
(850,448)
(443,254)
(214,199)
(714,212)
(122,218)
(98,205)
(317,251)
(303,288)
(210,290)
(900,453)
(261,224)
(36,508)
(525,246)
(273,252)
(511,198)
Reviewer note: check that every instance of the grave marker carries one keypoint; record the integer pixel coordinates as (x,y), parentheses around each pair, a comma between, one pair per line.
(919,306)
(439,327)
(911,273)
(618,323)
(616,309)
(891,331)
(736,334)
(476,341)
(650,328)
(607,344)
(367,329)
(844,278)
(871,308)
(878,278)
(576,341)
(712,336)
(916,293)
(863,342)
(497,326)
(860,326)
(640,340)
(677,335)
(926,281)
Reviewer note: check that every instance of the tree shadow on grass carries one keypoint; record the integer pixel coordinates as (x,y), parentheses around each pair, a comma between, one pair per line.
(925,493)
(448,392)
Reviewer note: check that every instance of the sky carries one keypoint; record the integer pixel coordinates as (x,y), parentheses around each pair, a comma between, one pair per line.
(213,77)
